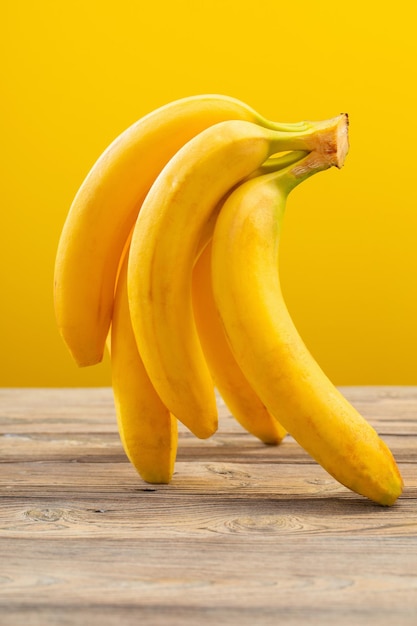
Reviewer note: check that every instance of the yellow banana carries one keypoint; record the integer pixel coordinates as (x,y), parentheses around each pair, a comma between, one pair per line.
(147,429)
(268,347)
(228,377)
(164,247)
(105,208)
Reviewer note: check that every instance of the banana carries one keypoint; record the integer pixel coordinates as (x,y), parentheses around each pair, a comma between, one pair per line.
(164,247)
(228,377)
(147,429)
(233,386)
(105,208)
(268,347)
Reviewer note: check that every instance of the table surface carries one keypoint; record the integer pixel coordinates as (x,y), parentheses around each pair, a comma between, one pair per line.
(246,534)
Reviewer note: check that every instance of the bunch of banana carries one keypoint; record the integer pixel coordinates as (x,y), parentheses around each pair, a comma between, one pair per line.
(169,253)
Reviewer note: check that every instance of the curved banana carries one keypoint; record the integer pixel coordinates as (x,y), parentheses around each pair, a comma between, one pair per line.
(164,247)
(241,400)
(147,429)
(269,349)
(105,208)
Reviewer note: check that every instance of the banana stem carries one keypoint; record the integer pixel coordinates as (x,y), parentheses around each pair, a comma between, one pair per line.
(328,140)
(331,150)
(275,163)
(282,127)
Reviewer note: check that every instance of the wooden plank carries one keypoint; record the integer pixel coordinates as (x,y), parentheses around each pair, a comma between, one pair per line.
(91,410)
(57,410)
(106,448)
(83,480)
(146,516)
(220,578)
(186,614)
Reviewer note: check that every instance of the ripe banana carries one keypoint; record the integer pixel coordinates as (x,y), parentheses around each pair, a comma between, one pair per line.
(105,208)
(228,377)
(233,386)
(268,347)
(164,247)
(147,429)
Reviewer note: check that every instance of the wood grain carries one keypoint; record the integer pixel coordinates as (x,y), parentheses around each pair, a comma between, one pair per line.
(246,534)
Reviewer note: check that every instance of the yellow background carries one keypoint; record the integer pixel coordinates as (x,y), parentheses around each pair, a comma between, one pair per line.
(76,74)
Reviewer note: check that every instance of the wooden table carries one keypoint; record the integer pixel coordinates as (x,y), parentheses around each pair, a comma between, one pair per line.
(246,534)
